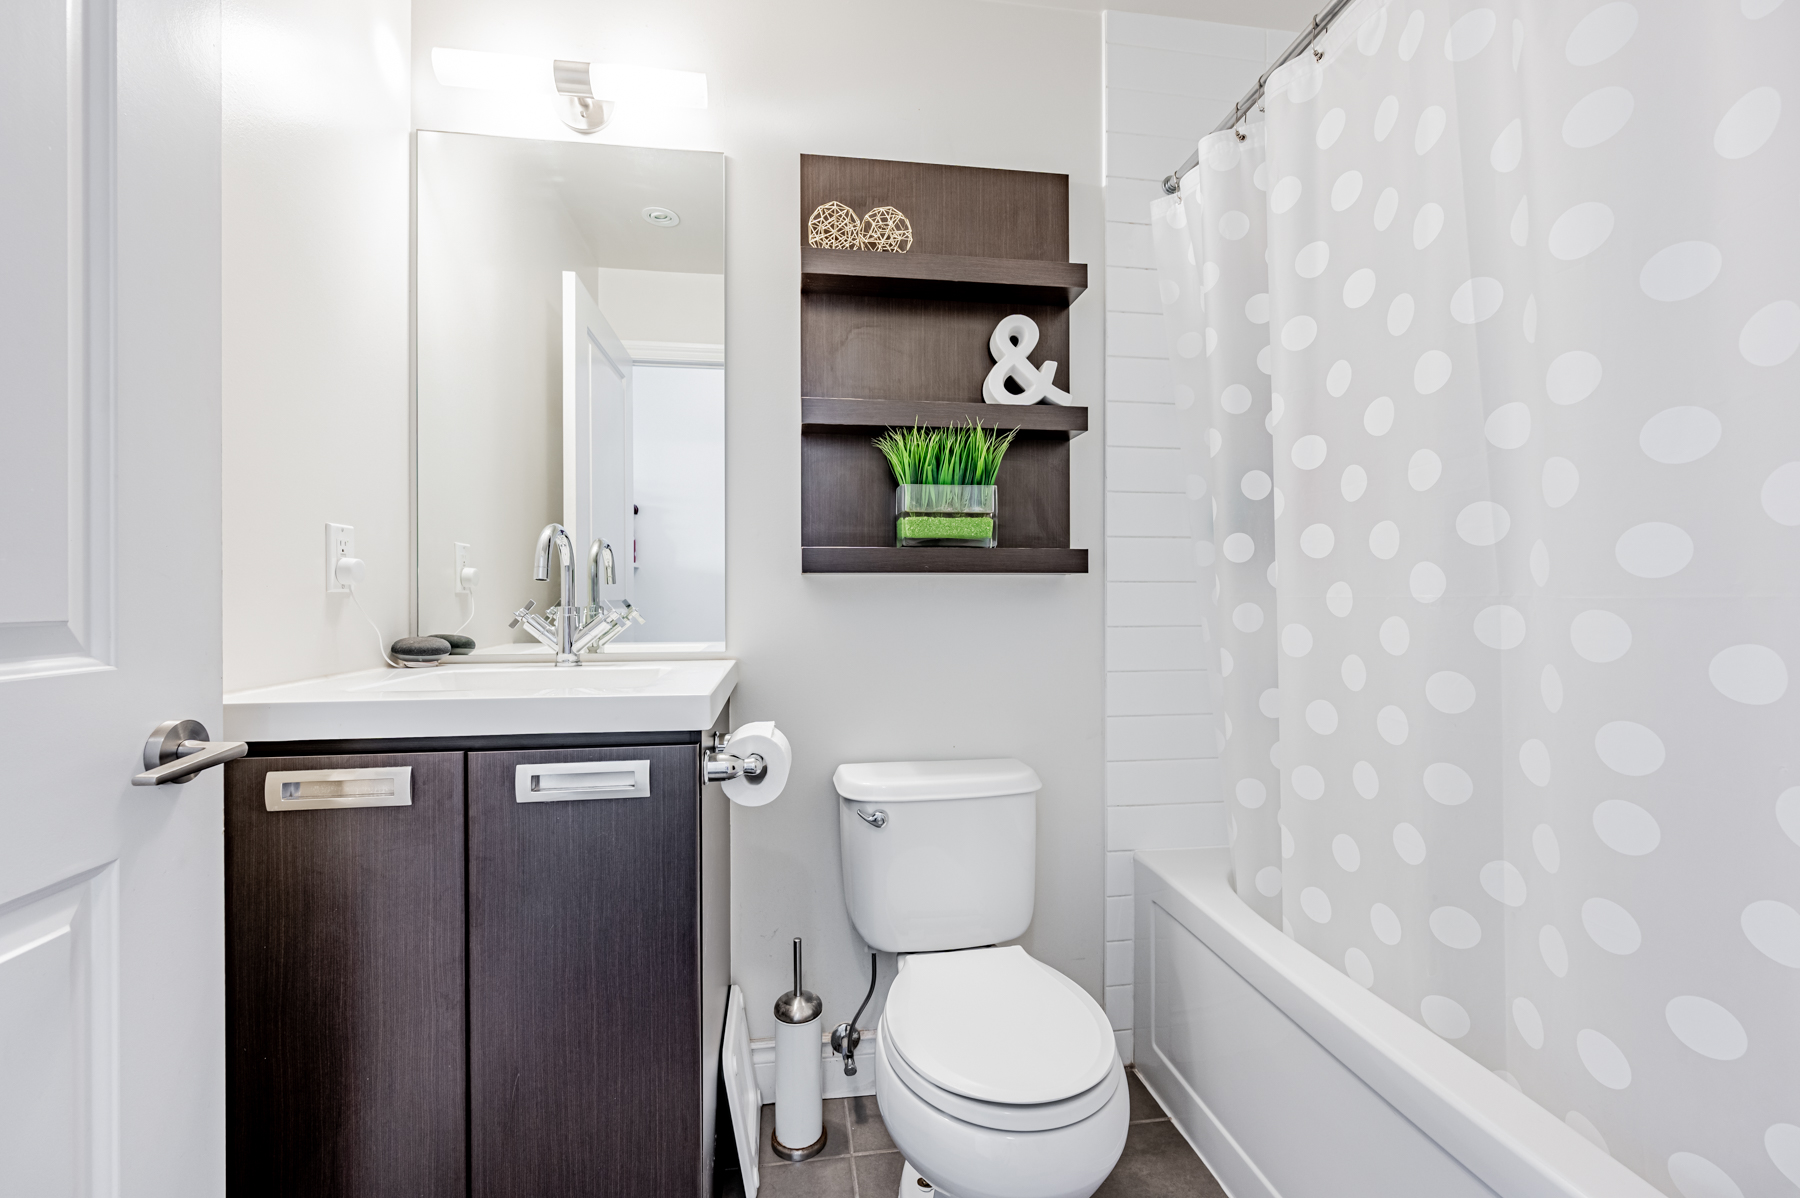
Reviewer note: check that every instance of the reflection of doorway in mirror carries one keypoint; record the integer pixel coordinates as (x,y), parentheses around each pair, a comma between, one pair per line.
(678,471)
(597,437)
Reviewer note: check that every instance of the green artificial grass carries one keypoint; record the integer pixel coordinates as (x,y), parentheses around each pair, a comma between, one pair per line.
(962,456)
(945,528)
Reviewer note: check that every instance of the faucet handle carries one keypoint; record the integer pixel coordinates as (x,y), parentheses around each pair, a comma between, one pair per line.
(520,615)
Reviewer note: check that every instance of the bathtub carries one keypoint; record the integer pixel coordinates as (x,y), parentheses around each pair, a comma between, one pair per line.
(1292,1081)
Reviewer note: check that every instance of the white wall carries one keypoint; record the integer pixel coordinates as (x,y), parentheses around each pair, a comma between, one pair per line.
(316,102)
(1168,82)
(859,668)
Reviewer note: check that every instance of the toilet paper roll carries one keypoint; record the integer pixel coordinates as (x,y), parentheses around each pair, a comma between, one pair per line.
(765,738)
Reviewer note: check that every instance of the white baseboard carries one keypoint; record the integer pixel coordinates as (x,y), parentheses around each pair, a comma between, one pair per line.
(836,1085)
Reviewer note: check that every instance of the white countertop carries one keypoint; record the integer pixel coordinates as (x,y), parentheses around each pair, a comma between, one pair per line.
(458,699)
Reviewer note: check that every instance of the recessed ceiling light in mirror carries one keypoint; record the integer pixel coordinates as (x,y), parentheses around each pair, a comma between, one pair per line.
(663,217)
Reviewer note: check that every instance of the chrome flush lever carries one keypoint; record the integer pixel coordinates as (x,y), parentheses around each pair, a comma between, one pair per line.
(178,749)
(875,819)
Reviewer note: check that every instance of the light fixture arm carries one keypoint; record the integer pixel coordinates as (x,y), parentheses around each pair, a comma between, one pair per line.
(575,100)
(572,78)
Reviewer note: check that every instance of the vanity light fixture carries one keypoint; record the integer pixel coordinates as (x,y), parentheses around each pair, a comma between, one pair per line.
(586,92)
(662,218)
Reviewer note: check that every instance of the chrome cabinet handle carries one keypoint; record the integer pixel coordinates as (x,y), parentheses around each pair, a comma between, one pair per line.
(560,781)
(875,819)
(178,749)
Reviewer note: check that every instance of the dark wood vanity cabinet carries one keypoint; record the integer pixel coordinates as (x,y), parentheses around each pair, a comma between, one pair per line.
(583,929)
(473,994)
(344,966)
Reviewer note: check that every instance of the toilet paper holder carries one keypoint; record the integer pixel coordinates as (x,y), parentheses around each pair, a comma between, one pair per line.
(723,767)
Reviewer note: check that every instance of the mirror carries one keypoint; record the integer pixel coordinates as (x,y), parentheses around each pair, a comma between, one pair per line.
(570,329)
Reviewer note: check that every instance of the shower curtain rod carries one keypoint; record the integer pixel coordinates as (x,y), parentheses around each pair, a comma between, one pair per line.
(1320,23)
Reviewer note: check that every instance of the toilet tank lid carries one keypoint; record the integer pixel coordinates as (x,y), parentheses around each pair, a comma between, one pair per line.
(901,781)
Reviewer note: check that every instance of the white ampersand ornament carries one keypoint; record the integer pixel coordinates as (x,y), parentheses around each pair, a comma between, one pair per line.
(1011,344)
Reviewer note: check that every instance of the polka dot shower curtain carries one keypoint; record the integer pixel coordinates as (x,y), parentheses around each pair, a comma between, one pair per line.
(1484,348)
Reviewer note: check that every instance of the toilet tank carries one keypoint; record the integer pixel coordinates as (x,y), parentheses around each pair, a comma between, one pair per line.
(938,854)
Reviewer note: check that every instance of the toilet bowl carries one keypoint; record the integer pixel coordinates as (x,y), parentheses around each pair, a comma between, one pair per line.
(998,1077)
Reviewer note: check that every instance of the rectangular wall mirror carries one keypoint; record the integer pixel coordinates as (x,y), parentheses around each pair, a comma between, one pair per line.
(571,369)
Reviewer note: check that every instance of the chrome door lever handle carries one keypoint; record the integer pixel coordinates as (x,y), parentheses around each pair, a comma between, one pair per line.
(875,819)
(178,750)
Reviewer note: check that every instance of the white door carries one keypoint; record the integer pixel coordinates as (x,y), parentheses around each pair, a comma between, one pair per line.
(111,896)
(597,502)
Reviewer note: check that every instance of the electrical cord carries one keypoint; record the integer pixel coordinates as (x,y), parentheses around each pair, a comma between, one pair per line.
(380,644)
(471,618)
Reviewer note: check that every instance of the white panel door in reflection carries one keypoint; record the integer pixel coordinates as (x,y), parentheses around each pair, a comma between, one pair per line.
(678,477)
(596,442)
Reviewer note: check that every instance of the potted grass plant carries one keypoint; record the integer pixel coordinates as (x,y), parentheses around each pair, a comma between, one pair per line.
(945,491)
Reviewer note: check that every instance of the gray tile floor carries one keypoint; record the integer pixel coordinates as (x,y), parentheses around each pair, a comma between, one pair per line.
(859,1160)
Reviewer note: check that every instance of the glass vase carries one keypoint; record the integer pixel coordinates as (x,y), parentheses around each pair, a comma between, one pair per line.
(928,514)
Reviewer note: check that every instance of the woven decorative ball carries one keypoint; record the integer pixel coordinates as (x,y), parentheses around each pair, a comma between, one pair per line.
(886,230)
(834,226)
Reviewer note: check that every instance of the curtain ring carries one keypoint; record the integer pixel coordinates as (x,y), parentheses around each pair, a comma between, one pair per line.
(1318,55)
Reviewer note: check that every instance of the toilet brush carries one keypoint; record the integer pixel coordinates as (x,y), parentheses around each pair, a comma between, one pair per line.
(799,1102)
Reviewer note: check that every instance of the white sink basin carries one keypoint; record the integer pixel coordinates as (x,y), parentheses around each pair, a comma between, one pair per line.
(486,700)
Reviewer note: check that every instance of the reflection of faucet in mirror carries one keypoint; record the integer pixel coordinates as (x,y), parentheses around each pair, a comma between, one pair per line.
(566,631)
(600,571)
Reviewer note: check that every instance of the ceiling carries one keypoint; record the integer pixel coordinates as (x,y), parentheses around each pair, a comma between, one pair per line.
(1268,14)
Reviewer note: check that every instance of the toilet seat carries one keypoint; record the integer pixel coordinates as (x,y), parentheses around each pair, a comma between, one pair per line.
(998,1039)
(1042,1116)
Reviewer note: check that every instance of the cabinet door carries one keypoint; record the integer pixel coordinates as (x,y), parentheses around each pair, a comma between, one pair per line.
(344,986)
(584,957)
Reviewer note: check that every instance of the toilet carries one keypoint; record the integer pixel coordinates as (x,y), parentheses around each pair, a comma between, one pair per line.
(997,1077)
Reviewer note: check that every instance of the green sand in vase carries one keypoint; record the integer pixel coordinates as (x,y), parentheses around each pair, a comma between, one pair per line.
(914,530)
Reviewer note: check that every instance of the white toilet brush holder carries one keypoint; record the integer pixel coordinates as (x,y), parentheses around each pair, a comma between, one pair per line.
(799,1098)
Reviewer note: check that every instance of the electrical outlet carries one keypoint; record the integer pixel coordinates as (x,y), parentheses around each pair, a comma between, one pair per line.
(340,541)
(462,563)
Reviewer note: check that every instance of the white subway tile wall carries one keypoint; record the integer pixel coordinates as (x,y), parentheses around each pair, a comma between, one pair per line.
(1168,82)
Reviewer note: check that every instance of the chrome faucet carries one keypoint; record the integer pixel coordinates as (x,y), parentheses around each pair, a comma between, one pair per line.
(600,571)
(570,630)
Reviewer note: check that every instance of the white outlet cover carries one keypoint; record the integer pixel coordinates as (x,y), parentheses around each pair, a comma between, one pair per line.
(462,563)
(340,541)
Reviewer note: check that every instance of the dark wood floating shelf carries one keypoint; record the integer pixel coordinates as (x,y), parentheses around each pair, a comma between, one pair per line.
(911,332)
(874,559)
(941,276)
(819,414)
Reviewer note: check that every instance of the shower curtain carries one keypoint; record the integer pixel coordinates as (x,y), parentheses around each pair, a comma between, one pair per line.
(1484,347)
